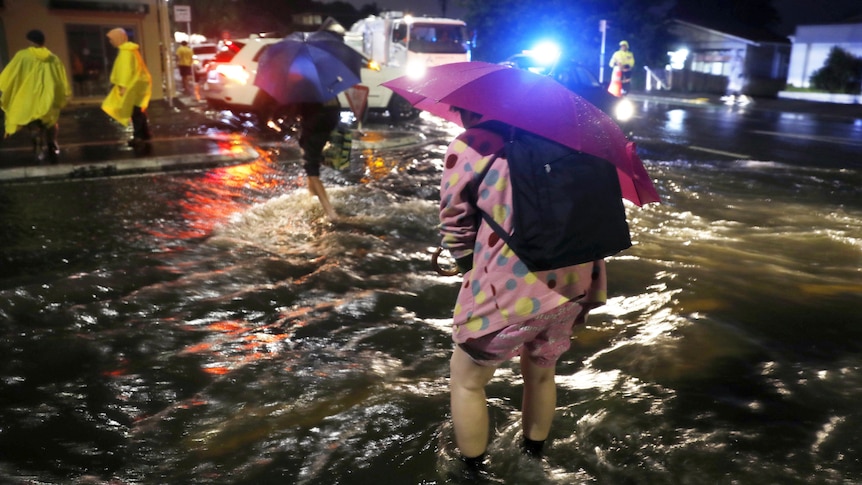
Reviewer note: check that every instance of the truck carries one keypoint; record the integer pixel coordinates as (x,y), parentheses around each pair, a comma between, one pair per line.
(404,45)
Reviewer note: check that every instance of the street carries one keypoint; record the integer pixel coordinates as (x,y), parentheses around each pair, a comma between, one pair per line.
(209,326)
(760,131)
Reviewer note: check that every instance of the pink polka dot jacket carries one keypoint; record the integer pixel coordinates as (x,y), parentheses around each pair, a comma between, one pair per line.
(499,291)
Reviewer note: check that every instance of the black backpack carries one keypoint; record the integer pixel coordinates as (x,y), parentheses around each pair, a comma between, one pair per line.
(567,205)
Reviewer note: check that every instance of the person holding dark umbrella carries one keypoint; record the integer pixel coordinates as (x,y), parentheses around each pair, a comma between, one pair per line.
(317,122)
(307,71)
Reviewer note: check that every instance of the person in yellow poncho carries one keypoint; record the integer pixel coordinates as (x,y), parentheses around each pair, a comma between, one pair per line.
(33,89)
(130,95)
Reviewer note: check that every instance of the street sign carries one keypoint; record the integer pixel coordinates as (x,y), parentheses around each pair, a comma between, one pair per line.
(182,13)
(357,98)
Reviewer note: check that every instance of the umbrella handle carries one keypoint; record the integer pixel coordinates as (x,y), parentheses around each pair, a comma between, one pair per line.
(436,266)
(331,87)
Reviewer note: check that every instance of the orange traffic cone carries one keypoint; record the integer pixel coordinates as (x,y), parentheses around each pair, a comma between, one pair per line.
(616,85)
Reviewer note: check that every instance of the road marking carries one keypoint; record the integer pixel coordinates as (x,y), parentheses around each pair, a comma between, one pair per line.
(827,139)
(721,152)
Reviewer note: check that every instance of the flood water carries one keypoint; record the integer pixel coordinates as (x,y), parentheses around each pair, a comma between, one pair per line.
(210,328)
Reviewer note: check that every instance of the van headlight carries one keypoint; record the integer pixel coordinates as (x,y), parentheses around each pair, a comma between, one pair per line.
(624,110)
(416,70)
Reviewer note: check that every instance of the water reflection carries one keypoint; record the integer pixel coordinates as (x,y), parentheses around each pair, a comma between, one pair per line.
(377,167)
(676,120)
(219,193)
(213,327)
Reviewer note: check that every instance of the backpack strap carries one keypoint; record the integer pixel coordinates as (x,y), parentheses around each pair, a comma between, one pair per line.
(508,132)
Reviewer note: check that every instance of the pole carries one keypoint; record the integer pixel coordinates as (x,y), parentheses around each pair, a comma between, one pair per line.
(603,28)
(165,27)
(194,92)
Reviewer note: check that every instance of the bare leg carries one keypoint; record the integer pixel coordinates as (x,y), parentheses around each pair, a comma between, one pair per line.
(469,408)
(184,80)
(315,186)
(539,401)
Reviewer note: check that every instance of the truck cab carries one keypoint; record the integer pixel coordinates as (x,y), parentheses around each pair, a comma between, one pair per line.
(404,45)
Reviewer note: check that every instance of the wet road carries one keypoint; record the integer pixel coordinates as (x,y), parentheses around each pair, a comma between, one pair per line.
(707,131)
(210,327)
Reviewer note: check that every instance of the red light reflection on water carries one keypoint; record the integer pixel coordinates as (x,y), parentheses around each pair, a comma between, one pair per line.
(234,146)
(376,167)
(220,193)
(233,344)
(256,175)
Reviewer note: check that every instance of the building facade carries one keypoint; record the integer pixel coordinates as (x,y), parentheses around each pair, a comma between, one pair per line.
(725,61)
(811,46)
(75,31)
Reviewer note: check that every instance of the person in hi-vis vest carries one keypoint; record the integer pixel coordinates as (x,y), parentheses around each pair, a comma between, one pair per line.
(622,61)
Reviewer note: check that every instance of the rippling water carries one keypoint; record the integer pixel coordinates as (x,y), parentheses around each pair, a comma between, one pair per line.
(210,327)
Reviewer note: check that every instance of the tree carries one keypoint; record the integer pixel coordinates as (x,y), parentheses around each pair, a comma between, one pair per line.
(211,17)
(841,73)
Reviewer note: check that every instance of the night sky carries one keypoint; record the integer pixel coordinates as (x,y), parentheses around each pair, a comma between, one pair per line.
(793,12)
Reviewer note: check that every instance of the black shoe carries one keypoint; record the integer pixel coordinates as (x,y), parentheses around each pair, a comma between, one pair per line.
(472,471)
(138,142)
(143,148)
(52,152)
(466,475)
(532,448)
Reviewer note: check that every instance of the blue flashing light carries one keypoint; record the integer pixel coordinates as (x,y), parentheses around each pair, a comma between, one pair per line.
(545,53)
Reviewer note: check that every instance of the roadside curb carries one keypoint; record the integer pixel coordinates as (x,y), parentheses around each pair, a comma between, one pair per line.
(671,99)
(238,153)
(782,104)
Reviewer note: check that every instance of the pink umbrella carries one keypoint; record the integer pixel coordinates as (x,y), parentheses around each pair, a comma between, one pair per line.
(534,103)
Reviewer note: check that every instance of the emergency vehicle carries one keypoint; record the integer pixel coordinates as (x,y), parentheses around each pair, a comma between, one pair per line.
(404,45)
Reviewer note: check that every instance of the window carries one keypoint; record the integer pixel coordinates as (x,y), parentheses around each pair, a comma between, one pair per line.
(438,38)
(91,57)
(399,33)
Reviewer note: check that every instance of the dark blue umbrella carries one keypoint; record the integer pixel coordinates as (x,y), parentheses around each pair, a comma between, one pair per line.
(308,67)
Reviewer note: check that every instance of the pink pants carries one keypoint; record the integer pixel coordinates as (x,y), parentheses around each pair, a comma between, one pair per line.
(542,339)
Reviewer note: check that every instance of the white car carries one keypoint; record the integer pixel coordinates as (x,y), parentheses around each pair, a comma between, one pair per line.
(203,55)
(230,85)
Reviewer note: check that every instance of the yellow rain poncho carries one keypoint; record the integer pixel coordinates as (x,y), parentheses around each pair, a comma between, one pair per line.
(131,80)
(34,87)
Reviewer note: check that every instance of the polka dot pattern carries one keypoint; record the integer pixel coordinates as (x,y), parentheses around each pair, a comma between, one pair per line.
(499,291)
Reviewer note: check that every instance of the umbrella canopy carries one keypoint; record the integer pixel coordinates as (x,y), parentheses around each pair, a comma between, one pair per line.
(534,103)
(308,67)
